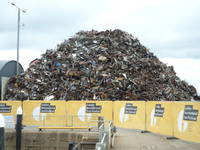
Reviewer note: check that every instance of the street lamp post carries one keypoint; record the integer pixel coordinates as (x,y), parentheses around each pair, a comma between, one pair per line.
(18,32)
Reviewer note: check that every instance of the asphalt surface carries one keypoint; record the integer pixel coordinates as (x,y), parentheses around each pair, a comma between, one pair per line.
(135,140)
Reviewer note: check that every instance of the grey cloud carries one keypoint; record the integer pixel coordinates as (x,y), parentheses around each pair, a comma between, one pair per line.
(44,23)
(168,30)
(8,40)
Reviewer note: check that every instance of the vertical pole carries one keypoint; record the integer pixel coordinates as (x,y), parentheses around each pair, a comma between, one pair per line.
(72,121)
(100,121)
(71,146)
(2,137)
(145,119)
(18,30)
(1,84)
(18,131)
(145,116)
(2,132)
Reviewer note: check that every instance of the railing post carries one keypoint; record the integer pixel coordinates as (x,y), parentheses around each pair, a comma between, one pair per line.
(100,121)
(19,128)
(2,132)
(109,135)
(2,137)
(72,121)
(18,132)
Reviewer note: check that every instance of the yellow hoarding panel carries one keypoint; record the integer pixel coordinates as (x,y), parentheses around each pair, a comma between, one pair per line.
(44,113)
(9,109)
(159,117)
(129,114)
(86,113)
(187,120)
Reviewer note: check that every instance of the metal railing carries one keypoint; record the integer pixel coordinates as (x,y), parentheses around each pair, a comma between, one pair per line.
(103,128)
(105,133)
(60,121)
(105,137)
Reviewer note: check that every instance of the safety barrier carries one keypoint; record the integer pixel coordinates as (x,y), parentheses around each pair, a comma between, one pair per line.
(62,113)
(86,111)
(9,110)
(159,117)
(129,114)
(106,134)
(178,119)
(44,113)
(186,120)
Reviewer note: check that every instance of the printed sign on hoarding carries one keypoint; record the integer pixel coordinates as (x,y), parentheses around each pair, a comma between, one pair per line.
(93,108)
(159,111)
(4,108)
(47,108)
(190,114)
(130,109)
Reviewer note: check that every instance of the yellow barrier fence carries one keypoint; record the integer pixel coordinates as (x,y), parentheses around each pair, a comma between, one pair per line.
(9,109)
(84,112)
(179,119)
(159,117)
(129,114)
(44,113)
(187,120)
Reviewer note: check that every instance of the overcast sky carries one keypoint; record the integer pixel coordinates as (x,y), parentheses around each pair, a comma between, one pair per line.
(169,28)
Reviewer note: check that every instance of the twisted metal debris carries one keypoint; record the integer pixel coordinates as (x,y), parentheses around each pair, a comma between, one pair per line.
(108,65)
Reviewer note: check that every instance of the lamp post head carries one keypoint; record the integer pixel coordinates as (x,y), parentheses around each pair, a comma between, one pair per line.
(13,4)
(2,121)
(19,9)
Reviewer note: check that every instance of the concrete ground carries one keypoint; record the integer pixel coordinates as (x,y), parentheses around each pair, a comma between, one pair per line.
(135,140)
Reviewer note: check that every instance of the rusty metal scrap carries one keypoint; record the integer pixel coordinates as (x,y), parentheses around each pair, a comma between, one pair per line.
(108,65)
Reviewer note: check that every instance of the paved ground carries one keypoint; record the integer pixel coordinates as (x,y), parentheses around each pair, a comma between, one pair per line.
(135,140)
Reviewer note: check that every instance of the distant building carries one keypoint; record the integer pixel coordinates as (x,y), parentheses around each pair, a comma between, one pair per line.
(8,68)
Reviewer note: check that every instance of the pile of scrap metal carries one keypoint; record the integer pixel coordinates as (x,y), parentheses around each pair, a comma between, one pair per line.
(92,65)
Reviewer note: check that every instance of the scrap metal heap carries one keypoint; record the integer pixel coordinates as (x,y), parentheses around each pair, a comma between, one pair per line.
(92,65)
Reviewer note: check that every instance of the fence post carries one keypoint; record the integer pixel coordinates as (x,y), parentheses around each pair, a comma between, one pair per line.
(2,132)
(19,128)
